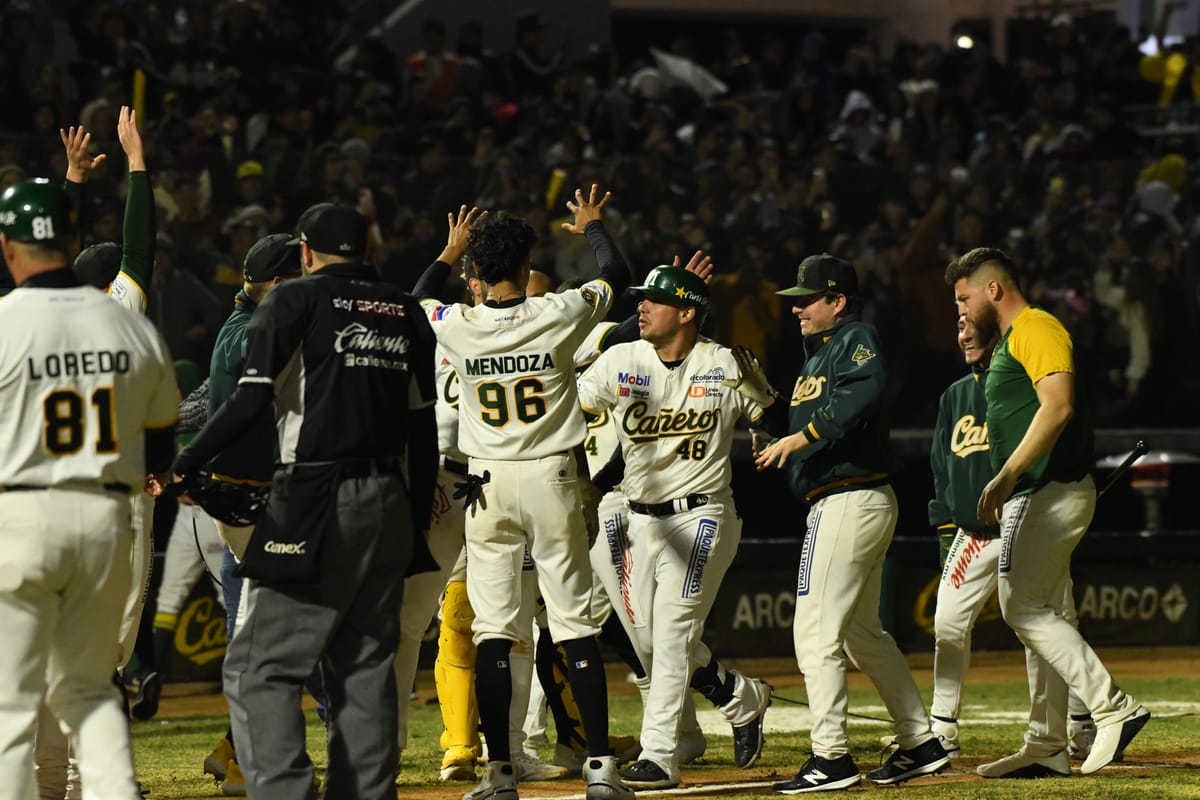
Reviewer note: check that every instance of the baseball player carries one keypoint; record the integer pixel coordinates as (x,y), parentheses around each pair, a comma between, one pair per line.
(122,271)
(674,420)
(520,427)
(970,551)
(454,670)
(1043,497)
(88,407)
(838,458)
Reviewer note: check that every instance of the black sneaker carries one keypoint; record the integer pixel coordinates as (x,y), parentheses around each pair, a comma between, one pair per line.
(822,775)
(924,759)
(145,705)
(748,739)
(646,774)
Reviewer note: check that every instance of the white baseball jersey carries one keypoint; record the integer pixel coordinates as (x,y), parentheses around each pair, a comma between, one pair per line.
(675,425)
(446,407)
(72,414)
(515,368)
(601,438)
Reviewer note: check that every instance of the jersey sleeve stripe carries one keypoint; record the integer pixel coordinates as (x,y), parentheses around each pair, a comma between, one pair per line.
(133,280)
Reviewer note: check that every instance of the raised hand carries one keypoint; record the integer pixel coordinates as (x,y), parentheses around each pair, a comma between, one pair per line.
(79,162)
(586,210)
(699,265)
(131,139)
(460,232)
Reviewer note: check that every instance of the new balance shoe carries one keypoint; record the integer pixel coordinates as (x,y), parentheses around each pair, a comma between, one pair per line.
(499,783)
(821,775)
(532,769)
(946,731)
(647,774)
(603,782)
(1022,765)
(748,738)
(1111,741)
(458,764)
(1081,732)
(924,759)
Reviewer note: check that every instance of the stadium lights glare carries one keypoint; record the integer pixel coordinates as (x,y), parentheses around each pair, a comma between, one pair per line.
(964,42)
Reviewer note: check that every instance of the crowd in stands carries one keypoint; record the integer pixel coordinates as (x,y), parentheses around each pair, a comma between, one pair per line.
(896,162)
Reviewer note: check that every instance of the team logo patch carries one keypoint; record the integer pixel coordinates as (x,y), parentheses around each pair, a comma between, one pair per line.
(706,536)
(810,540)
(440,313)
(861,355)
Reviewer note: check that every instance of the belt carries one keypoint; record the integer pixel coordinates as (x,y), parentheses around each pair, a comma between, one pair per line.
(119,488)
(669,507)
(457,467)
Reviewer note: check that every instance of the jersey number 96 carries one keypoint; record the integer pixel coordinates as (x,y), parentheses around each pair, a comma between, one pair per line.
(528,403)
(65,420)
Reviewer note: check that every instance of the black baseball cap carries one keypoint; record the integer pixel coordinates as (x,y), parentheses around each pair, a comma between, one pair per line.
(99,264)
(823,273)
(271,257)
(333,229)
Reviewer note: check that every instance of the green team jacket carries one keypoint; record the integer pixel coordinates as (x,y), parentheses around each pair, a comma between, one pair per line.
(139,229)
(252,458)
(959,457)
(837,401)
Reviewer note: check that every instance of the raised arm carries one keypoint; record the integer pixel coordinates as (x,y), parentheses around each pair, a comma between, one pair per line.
(140,228)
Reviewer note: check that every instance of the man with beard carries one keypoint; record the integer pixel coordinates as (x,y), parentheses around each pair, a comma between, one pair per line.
(1043,498)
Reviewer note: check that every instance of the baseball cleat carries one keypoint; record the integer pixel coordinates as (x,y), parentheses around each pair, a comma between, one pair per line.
(1022,765)
(821,775)
(234,784)
(145,705)
(924,759)
(646,774)
(1081,732)
(217,762)
(531,769)
(499,783)
(748,739)
(458,764)
(946,731)
(1111,740)
(691,746)
(603,782)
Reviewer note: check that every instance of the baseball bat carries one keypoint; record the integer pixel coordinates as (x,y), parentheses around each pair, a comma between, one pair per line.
(1139,450)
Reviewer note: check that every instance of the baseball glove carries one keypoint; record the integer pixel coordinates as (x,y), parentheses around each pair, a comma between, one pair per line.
(235,504)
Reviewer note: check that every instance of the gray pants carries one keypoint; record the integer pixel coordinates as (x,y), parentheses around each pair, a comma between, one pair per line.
(348,623)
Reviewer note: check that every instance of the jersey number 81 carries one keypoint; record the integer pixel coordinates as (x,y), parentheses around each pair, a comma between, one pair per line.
(64,421)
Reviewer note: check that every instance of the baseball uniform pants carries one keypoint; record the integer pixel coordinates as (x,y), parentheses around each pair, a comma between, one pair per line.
(837,607)
(1039,532)
(64,580)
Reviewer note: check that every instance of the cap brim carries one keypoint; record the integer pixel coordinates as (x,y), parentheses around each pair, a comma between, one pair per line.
(295,240)
(799,291)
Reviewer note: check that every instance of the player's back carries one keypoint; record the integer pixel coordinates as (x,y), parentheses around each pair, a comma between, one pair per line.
(82,378)
(516,371)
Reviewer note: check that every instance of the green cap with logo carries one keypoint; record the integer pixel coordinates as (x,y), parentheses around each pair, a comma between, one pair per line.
(36,211)
(676,285)
(823,273)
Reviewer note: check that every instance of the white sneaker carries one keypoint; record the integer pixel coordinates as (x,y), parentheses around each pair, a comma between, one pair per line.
(533,769)
(1080,735)
(1021,765)
(499,783)
(569,759)
(947,733)
(603,783)
(1111,740)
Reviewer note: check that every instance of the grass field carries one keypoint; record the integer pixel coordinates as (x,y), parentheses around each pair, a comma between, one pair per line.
(1163,762)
